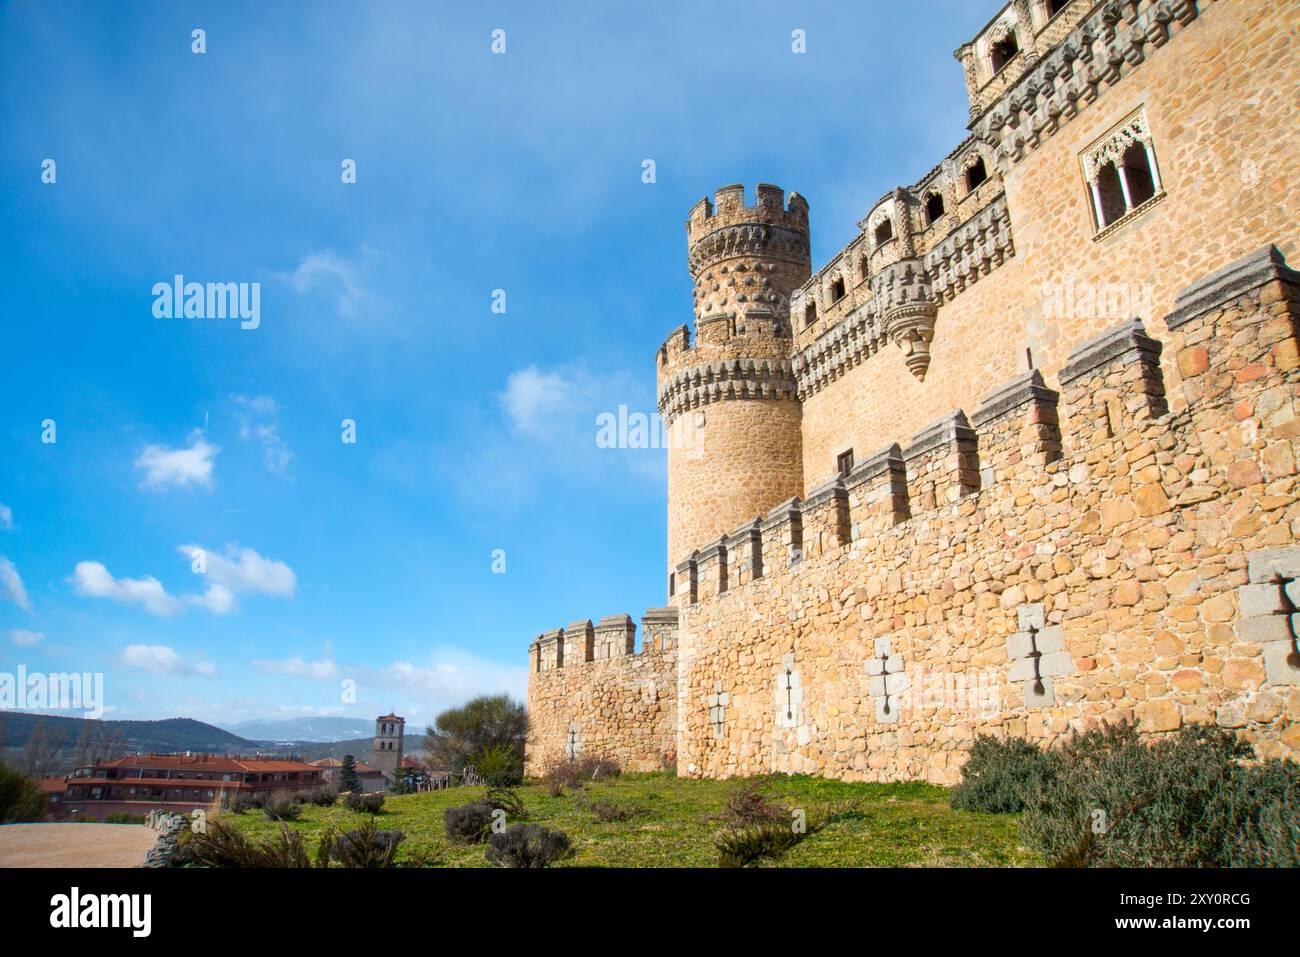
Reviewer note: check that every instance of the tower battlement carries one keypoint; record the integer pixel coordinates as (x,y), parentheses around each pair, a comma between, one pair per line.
(728,208)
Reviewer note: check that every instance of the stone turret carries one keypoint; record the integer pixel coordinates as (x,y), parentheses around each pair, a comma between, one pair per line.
(729,399)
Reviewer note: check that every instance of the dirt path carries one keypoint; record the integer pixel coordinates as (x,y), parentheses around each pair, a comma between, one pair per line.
(75,845)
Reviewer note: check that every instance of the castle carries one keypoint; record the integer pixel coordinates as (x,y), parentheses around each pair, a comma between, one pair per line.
(1021,458)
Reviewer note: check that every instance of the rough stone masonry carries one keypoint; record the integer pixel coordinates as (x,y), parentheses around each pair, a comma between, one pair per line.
(1020,459)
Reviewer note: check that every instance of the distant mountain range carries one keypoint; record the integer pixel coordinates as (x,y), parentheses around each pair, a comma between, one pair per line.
(305,729)
(63,742)
(52,744)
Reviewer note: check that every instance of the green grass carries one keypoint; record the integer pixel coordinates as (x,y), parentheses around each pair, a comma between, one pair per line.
(885,825)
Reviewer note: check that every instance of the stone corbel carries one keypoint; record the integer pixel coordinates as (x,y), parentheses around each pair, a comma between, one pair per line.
(908,311)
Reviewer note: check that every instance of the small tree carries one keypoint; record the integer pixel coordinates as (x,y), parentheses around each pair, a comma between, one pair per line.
(348,780)
(459,735)
(21,798)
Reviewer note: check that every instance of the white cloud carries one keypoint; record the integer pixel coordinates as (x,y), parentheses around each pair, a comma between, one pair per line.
(218,599)
(93,580)
(346,282)
(12,584)
(536,401)
(450,678)
(25,639)
(191,465)
(256,416)
(240,571)
(321,670)
(162,660)
(6,517)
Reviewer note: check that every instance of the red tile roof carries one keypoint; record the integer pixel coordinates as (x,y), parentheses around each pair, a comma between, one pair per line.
(336,763)
(206,762)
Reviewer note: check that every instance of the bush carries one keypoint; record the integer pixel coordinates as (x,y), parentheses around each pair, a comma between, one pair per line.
(323,796)
(121,817)
(1001,774)
(21,798)
(469,823)
(364,803)
(743,846)
(1186,800)
(505,799)
(222,845)
(749,804)
(282,806)
(1269,834)
(499,766)
(608,812)
(363,847)
(576,773)
(527,845)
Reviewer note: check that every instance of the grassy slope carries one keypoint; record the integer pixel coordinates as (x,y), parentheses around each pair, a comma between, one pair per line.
(893,825)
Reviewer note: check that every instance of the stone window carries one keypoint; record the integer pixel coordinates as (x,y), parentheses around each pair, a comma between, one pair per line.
(884,232)
(844,463)
(1002,52)
(810,313)
(1053,7)
(1121,172)
(933,208)
(837,289)
(672,584)
(863,269)
(976,174)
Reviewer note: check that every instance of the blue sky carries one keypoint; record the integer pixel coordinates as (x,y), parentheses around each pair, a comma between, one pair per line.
(475,430)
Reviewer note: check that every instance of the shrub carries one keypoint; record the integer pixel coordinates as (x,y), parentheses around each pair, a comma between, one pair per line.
(527,845)
(576,773)
(20,797)
(749,804)
(1269,831)
(239,802)
(363,847)
(469,823)
(1186,800)
(505,799)
(743,846)
(363,803)
(499,766)
(323,796)
(282,806)
(222,845)
(1001,774)
(609,811)
(122,817)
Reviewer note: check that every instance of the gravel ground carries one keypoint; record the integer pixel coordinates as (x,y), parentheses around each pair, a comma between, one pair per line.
(75,845)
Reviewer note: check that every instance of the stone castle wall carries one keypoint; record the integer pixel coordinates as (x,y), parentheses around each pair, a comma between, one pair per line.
(590,693)
(1107,531)
(1135,540)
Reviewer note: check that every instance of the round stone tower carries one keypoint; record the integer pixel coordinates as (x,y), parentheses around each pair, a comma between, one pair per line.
(729,401)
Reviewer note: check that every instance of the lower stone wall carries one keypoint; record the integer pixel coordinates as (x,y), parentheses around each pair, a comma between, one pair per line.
(622,708)
(1126,563)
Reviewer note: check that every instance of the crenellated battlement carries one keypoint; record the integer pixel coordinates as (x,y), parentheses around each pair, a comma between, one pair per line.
(580,642)
(1112,384)
(728,208)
